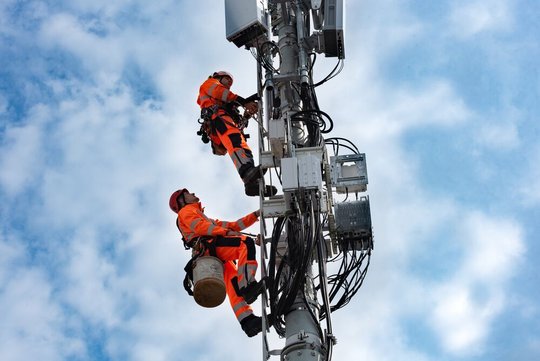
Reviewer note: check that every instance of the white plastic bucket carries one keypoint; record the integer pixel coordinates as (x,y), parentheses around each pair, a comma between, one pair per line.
(209,287)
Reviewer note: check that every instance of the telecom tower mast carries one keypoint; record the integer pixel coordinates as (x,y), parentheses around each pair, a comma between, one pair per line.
(310,228)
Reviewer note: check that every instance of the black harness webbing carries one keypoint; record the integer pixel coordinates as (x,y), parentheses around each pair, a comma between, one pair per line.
(200,245)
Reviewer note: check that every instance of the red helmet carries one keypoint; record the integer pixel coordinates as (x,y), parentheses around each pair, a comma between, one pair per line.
(173,201)
(219,74)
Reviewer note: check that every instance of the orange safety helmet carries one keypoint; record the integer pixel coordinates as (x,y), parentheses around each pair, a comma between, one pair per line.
(219,74)
(173,201)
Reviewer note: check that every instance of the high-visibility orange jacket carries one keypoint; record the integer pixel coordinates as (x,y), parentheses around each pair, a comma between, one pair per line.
(212,92)
(193,223)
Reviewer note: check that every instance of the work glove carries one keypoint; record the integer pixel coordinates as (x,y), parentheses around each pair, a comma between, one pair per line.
(251,108)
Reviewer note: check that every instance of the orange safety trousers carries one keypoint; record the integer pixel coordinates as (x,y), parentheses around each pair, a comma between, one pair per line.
(228,135)
(240,307)
(229,249)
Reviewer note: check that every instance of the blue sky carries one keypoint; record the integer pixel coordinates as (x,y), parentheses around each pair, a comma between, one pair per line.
(97,128)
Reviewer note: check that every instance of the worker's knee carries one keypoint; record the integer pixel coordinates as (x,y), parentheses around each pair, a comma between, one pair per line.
(250,245)
(220,125)
(236,140)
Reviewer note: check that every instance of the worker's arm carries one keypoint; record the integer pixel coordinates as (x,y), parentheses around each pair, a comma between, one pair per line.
(250,99)
(243,222)
(219,92)
(199,224)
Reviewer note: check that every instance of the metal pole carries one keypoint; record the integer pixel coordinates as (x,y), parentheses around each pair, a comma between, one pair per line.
(302,331)
(292,144)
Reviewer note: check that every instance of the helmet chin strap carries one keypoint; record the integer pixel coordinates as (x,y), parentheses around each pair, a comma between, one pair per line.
(183,200)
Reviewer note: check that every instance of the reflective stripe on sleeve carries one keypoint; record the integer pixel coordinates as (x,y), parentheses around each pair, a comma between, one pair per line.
(194,224)
(241,224)
(239,306)
(225,95)
(210,229)
(211,90)
(244,314)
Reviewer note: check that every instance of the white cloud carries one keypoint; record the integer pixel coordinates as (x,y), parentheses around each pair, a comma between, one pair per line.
(383,27)
(362,96)
(458,301)
(3,105)
(534,344)
(499,131)
(409,222)
(387,111)
(462,322)
(91,282)
(435,104)
(115,166)
(469,18)
(468,304)
(70,34)
(33,323)
(528,188)
(31,11)
(20,158)
(499,136)
(494,248)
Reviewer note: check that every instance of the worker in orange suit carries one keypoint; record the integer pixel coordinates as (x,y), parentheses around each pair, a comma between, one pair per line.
(229,246)
(219,110)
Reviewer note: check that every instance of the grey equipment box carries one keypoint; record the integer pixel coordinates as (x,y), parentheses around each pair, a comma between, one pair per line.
(349,173)
(245,21)
(353,225)
(334,45)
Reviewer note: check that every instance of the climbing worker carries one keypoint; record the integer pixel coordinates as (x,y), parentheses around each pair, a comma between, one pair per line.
(223,240)
(222,125)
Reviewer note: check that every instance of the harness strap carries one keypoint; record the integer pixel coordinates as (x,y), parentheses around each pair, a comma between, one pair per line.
(207,244)
(199,246)
(186,245)
(188,279)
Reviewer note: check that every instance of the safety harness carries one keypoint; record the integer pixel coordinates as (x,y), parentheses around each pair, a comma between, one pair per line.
(208,126)
(199,246)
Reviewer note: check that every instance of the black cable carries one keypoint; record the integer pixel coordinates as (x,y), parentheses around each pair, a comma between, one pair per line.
(350,277)
(332,74)
(261,52)
(336,141)
(325,126)
(322,280)
(313,225)
(278,173)
(274,276)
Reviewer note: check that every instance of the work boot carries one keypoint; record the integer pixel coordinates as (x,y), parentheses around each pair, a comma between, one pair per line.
(252,324)
(252,291)
(252,190)
(252,175)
